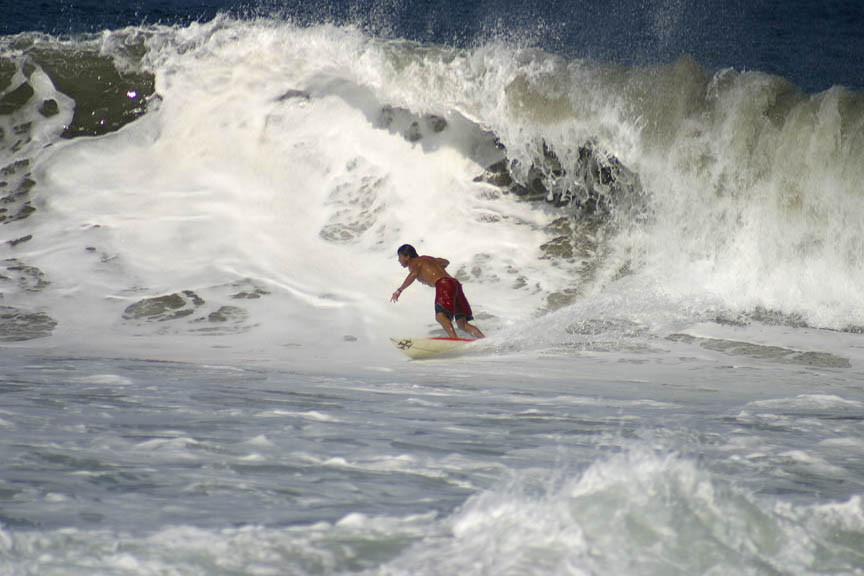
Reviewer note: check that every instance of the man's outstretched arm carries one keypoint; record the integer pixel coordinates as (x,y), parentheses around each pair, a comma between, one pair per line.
(408,281)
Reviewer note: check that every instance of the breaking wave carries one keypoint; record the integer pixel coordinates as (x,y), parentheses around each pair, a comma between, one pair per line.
(237,176)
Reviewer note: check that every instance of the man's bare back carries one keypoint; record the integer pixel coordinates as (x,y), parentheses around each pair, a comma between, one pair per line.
(429,269)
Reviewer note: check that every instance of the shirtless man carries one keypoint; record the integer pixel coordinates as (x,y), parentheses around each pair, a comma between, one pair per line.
(450,302)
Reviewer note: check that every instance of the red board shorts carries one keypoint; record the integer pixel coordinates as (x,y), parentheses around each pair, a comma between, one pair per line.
(450,300)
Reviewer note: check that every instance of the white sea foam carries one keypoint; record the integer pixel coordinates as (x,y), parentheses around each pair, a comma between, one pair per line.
(106,380)
(809,402)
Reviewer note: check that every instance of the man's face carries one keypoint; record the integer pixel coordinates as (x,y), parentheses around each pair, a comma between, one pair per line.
(403,260)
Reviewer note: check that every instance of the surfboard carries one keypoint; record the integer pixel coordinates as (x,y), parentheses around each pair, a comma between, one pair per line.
(430,347)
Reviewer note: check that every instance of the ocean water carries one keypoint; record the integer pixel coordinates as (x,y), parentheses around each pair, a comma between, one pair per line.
(656,211)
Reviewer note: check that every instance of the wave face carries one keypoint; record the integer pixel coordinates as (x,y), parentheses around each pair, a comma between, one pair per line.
(254,178)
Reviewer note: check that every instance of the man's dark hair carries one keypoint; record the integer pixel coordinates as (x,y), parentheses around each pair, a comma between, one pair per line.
(407,250)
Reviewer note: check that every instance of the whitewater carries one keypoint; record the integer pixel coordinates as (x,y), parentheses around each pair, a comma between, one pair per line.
(198,252)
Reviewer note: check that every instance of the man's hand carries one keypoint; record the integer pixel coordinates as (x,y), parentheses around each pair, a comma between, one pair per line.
(396,294)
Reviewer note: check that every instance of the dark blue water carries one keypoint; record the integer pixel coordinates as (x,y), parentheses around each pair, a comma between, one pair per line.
(815,45)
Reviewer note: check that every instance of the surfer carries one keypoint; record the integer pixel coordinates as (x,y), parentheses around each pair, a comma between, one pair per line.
(450,301)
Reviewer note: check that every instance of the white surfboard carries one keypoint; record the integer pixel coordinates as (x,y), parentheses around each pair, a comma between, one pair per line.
(430,347)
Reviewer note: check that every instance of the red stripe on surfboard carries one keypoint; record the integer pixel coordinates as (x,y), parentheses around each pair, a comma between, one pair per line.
(453,339)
